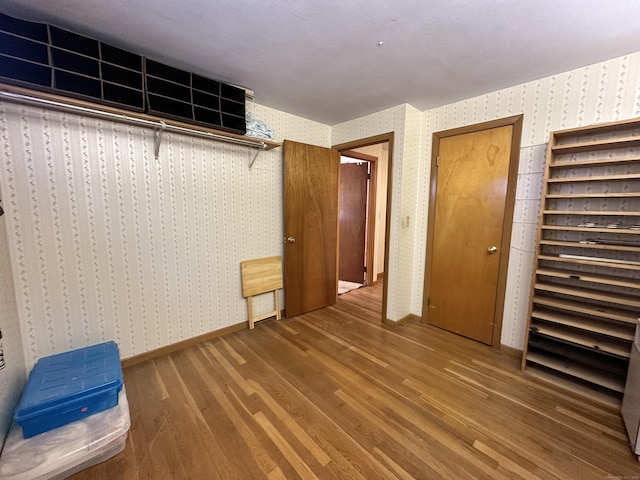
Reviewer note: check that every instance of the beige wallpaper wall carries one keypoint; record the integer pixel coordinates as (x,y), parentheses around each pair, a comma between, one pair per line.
(597,93)
(13,375)
(108,243)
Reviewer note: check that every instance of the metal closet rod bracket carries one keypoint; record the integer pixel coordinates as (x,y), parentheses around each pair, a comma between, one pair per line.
(262,147)
(157,138)
(159,126)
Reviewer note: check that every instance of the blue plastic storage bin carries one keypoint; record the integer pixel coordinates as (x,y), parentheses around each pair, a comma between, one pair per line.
(70,386)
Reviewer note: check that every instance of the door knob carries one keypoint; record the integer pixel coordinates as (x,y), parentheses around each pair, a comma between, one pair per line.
(291,240)
(492,249)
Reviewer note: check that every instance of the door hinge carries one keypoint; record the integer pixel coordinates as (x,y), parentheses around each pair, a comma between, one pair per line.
(437,160)
(365,269)
(368,176)
(428,301)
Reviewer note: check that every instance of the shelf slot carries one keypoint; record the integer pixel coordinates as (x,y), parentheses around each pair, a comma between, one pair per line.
(592,229)
(596,145)
(592,295)
(621,331)
(569,196)
(596,246)
(589,277)
(607,313)
(592,213)
(582,339)
(594,162)
(595,178)
(593,261)
(578,370)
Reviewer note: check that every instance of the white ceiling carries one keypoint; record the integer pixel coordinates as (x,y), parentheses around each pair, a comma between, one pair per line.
(320,59)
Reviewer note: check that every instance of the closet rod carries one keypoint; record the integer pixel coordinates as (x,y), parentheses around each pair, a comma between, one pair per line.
(67,107)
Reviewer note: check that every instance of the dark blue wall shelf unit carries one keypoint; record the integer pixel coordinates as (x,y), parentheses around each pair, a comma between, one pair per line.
(47,58)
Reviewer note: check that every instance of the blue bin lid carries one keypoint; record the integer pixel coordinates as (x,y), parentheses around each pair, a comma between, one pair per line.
(59,379)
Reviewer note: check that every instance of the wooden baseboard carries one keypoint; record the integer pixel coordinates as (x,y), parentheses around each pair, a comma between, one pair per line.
(380,276)
(411,318)
(143,357)
(511,351)
(392,323)
(403,321)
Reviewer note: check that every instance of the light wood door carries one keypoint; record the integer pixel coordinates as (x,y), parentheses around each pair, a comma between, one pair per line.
(353,220)
(468,231)
(310,227)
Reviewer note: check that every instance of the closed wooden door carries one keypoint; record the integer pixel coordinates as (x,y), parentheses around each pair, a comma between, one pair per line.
(470,231)
(353,220)
(310,227)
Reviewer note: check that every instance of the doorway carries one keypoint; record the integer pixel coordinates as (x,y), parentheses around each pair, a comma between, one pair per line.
(374,153)
(473,184)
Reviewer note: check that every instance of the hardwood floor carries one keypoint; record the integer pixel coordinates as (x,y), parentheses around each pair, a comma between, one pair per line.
(334,395)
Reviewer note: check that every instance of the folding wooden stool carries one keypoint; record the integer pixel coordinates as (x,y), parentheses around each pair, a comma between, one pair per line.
(259,276)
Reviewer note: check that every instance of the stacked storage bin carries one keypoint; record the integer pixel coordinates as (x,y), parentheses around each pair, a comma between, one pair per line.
(73,414)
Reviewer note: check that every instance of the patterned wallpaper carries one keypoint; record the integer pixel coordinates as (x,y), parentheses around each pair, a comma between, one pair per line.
(108,243)
(602,92)
(13,374)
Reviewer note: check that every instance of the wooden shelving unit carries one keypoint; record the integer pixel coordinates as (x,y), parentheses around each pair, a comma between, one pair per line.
(585,298)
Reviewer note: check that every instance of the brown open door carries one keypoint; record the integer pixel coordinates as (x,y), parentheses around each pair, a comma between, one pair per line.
(310,227)
(353,220)
(470,228)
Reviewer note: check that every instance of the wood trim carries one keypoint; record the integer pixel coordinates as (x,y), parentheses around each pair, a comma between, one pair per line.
(371,221)
(516,121)
(511,351)
(119,111)
(358,155)
(174,347)
(365,142)
(605,127)
(403,321)
(516,138)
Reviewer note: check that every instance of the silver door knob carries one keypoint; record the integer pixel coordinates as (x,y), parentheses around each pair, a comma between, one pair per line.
(492,249)
(291,240)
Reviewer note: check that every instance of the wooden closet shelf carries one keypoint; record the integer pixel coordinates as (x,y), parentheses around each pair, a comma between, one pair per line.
(577,259)
(594,162)
(592,229)
(597,145)
(608,313)
(98,110)
(621,331)
(599,213)
(598,128)
(582,339)
(605,397)
(597,246)
(589,277)
(595,178)
(593,195)
(593,295)
(578,370)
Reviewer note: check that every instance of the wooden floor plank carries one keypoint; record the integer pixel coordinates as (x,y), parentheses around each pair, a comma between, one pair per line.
(334,394)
